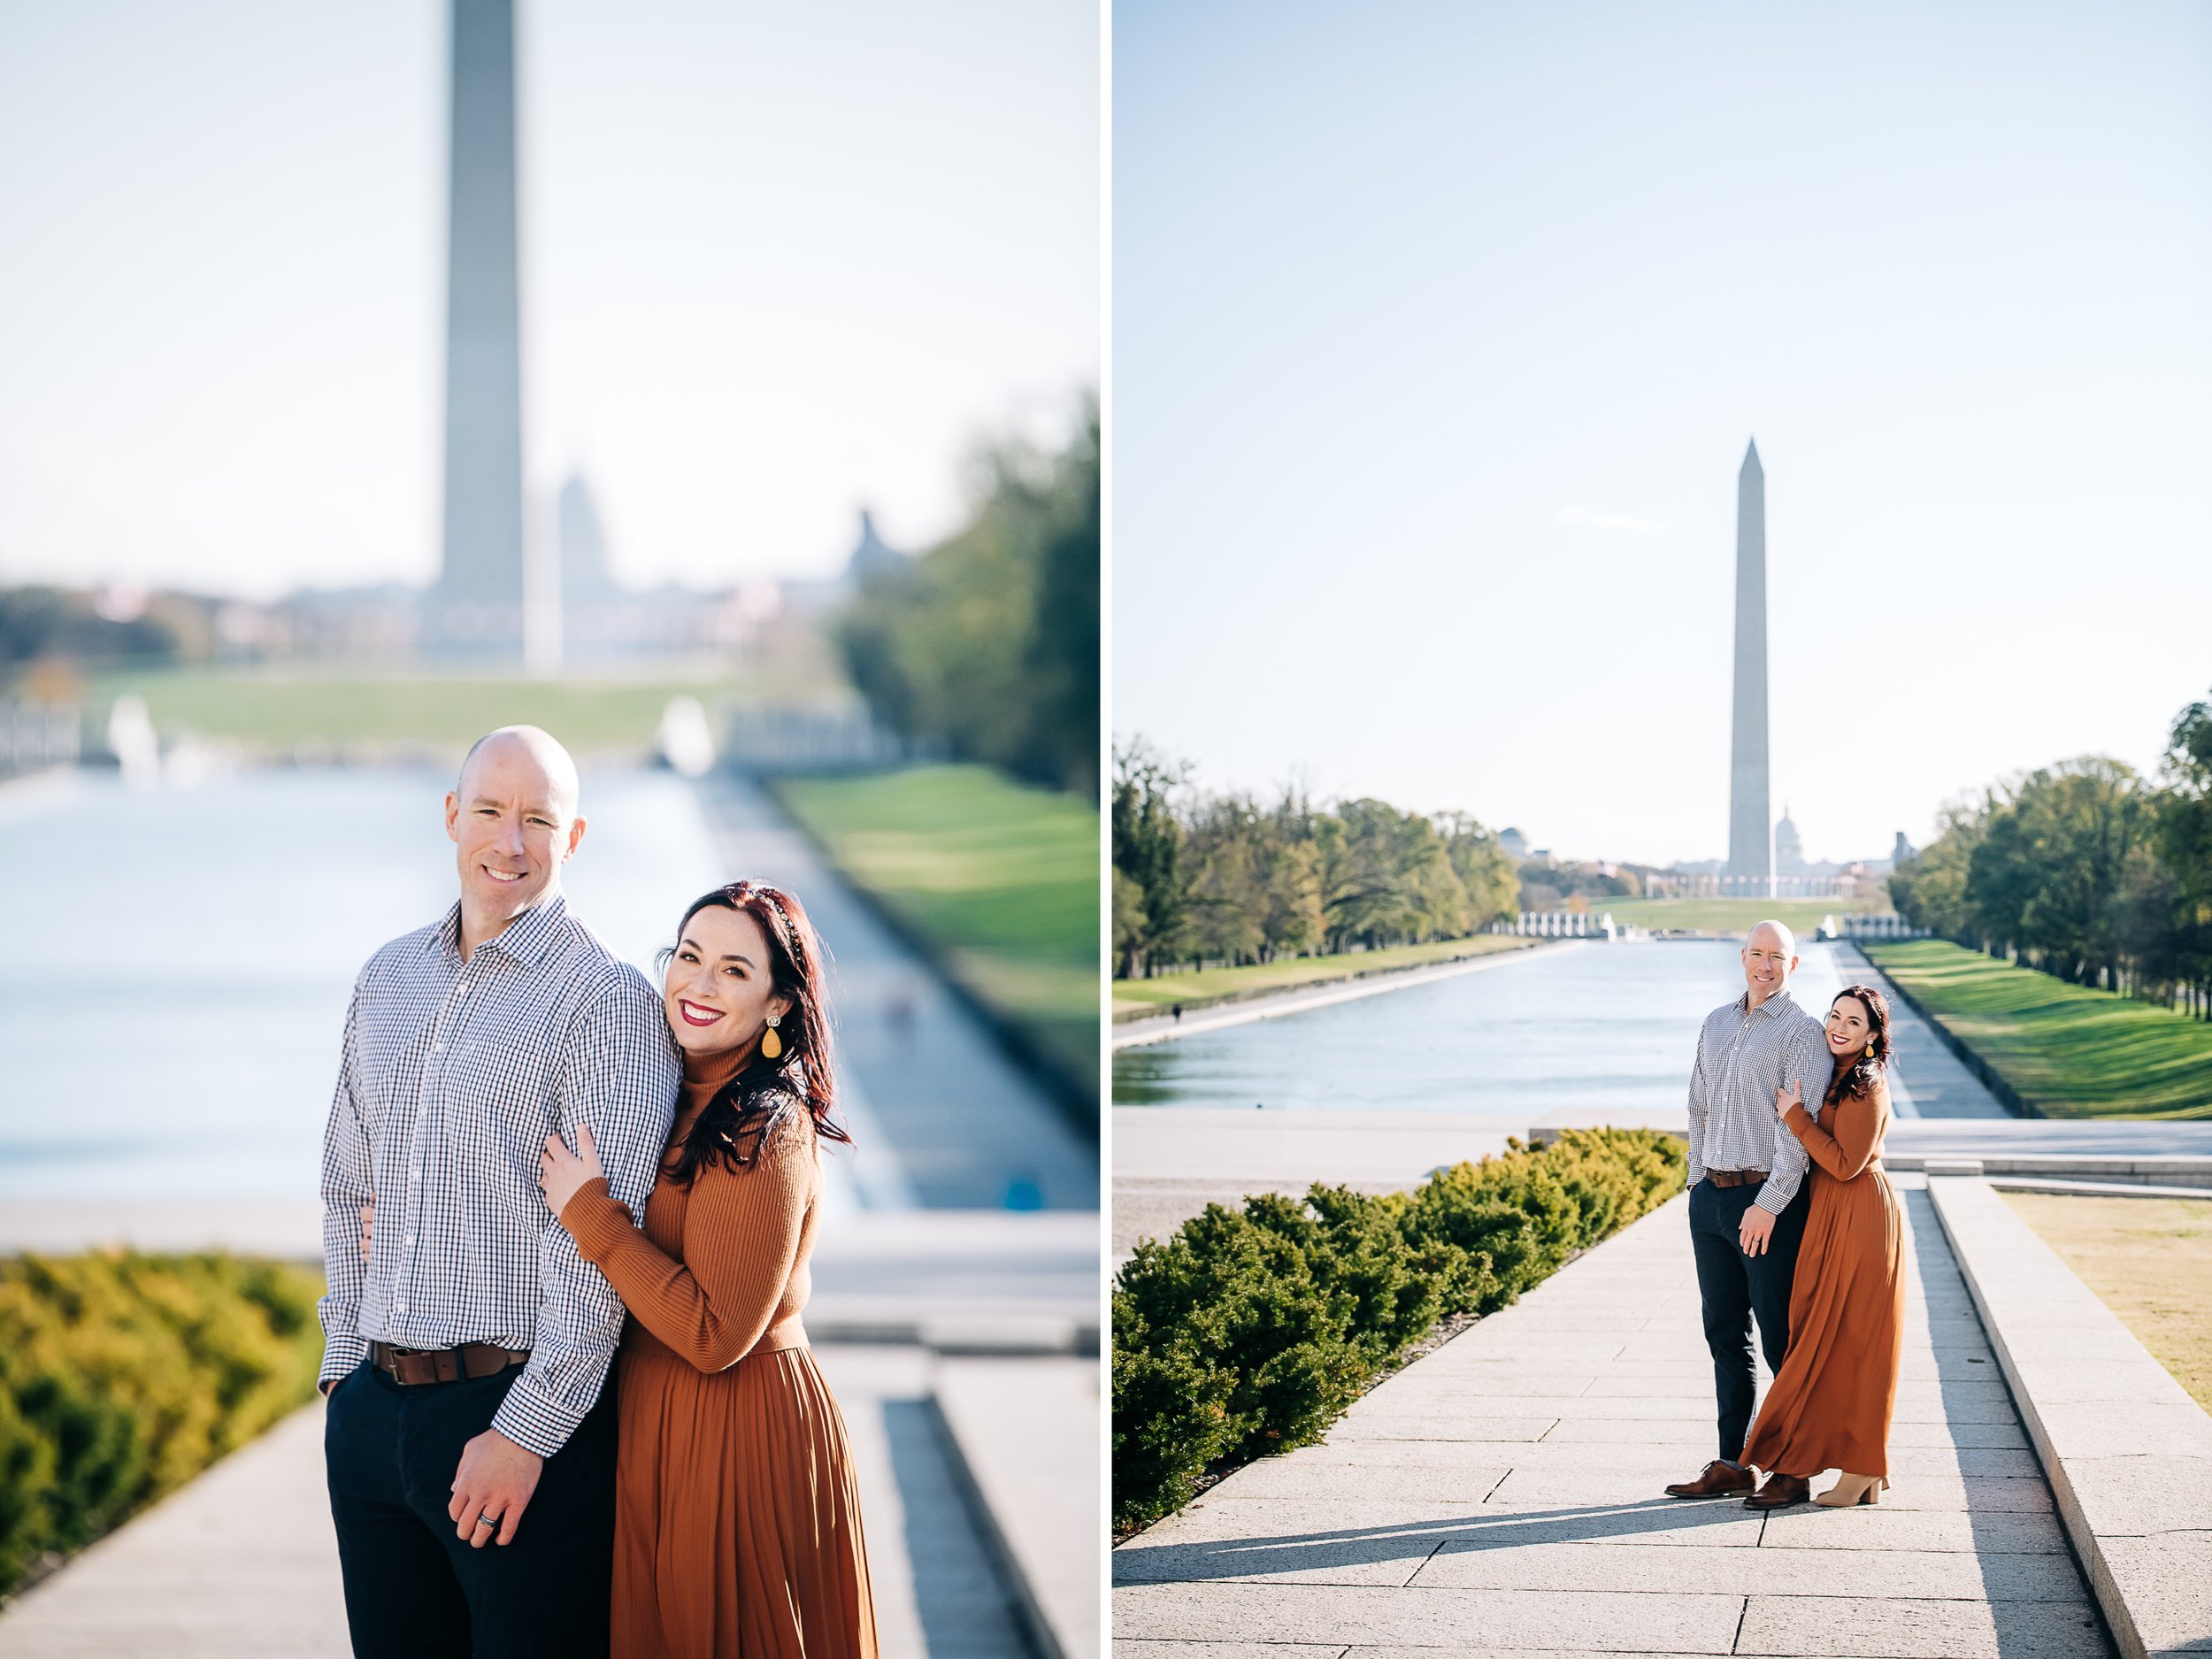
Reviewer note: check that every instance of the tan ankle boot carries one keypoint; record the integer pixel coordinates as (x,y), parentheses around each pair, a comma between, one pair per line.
(1851,1489)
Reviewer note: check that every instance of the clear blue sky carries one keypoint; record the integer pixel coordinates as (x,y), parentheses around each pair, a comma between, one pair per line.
(778,261)
(1440,331)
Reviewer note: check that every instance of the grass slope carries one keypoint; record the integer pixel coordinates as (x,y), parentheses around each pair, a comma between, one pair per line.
(2072,1051)
(1136,997)
(1003,878)
(1731,916)
(2150,1261)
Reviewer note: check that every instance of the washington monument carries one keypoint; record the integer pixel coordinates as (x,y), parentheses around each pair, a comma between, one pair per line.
(477,608)
(1750,835)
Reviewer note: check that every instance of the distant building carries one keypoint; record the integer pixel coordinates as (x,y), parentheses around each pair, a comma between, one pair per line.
(1901,851)
(873,556)
(589,593)
(1789,849)
(1513,843)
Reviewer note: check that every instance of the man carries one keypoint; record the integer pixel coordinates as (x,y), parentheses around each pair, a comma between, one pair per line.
(1747,1196)
(471,1455)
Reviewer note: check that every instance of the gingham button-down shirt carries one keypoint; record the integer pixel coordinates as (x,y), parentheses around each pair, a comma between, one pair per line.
(452,1075)
(1743,1057)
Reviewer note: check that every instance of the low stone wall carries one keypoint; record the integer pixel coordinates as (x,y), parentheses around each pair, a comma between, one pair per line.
(2128,1452)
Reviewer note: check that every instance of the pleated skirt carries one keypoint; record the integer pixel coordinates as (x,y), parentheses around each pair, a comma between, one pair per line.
(1829,1406)
(737,1515)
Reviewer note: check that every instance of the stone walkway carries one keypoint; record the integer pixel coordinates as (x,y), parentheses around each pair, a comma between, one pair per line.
(1502,1494)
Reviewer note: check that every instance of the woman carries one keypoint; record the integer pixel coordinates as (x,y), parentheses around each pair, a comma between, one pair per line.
(1829,1408)
(737,1521)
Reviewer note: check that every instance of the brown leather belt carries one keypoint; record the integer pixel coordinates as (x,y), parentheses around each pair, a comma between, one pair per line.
(1737,1177)
(409,1366)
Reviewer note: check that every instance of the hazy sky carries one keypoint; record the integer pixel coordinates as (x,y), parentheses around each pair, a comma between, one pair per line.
(778,262)
(1440,331)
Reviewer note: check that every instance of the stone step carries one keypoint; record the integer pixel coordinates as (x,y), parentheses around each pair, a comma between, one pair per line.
(1026,1433)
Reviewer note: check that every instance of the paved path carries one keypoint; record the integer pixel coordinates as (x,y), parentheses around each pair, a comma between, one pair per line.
(242,1562)
(1502,1495)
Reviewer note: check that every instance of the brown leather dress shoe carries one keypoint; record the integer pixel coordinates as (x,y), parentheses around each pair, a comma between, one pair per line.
(1719,1481)
(1780,1491)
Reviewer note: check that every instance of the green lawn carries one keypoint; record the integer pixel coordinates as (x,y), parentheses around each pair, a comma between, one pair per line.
(1003,878)
(270,711)
(1134,997)
(1731,916)
(2072,1051)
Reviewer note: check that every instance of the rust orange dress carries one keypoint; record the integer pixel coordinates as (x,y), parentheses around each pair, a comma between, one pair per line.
(737,1518)
(1829,1406)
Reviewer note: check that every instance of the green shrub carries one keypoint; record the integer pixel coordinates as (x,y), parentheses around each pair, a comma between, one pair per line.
(122,1376)
(1249,1332)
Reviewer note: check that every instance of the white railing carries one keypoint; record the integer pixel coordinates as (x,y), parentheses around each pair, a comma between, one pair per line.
(1707,887)
(37,735)
(1870,925)
(1565,925)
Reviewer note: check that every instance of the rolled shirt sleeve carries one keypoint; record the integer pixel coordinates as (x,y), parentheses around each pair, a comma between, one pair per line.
(620,1076)
(346,1185)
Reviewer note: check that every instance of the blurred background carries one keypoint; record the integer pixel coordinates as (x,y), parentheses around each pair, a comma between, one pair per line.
(710,386)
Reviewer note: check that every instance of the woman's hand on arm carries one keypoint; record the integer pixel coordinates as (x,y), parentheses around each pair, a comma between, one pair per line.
(562,1174)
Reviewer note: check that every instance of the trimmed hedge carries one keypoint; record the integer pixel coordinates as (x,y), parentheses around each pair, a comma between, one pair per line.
(122,1376)
(1249,1332)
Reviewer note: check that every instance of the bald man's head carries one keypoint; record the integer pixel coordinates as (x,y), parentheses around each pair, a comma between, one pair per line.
(1779,932)
(514,820)
(1770,957)
(541,748)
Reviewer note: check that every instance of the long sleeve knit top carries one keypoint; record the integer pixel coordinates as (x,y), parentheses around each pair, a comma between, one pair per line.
(1851,1137)
(719,1270)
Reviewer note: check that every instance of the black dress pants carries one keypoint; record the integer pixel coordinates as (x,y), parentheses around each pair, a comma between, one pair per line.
(415,1591)
(1735,1288)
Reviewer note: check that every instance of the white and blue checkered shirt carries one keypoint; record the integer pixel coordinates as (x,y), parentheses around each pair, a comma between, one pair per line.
(1745,1055)
(452,1075)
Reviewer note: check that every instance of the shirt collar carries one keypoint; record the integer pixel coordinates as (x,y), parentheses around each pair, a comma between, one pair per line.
(528,940)
(1780,1002)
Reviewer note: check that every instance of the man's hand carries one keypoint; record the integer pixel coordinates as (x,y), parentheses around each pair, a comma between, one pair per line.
(496,1481)
(1757,1230)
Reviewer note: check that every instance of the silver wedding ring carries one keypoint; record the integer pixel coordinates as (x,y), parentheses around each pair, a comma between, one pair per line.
(487,1520)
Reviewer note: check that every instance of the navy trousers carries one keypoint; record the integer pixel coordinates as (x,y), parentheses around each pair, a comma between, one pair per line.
(1735,1288)
(413,1589)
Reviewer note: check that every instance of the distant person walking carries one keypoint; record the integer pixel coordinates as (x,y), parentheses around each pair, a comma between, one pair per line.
(1748,1205)
(737,1524)
(1829,1403)
(471,1449)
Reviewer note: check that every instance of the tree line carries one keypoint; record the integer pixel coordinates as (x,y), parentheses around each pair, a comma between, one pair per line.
(2085,870)
(1204,879)
(989,641)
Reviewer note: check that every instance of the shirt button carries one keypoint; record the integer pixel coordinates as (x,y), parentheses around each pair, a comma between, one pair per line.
(414,1175)
(410,1238)
(399,1307)
(437,1047)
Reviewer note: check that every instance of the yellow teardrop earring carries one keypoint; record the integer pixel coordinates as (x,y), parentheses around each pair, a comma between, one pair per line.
(771,1044)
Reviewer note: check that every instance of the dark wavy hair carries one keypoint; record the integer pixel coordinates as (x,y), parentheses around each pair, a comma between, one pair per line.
(1863,1072)
(733,1127)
